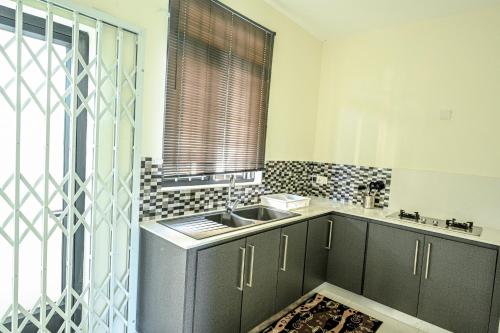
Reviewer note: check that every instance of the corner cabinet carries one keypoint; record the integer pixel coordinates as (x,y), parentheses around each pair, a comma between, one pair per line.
(346,258)
(319,242)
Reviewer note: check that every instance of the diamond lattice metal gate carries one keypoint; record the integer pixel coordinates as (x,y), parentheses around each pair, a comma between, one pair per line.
(69,126)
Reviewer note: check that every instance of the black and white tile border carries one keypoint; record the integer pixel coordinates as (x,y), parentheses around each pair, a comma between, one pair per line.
(157,203)
(279,177)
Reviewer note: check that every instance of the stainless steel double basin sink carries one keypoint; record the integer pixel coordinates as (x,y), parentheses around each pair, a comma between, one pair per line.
(204,226)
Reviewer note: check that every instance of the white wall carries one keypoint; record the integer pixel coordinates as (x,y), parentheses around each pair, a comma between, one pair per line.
(447,195)
(382,94)
(380,103)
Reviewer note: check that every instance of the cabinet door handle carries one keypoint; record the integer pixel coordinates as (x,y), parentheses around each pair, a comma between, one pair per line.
(250,274)
(330,230)
(242,268)
(285,251)
(428,261)
(415,260)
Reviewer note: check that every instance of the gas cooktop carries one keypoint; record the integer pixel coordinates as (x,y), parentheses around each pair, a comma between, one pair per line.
(450,224)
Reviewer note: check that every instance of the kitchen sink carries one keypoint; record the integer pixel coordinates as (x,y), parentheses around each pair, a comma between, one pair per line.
(231,220)
(263,214)
(200,227)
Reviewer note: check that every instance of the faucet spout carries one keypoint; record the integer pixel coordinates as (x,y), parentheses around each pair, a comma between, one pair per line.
(230,205)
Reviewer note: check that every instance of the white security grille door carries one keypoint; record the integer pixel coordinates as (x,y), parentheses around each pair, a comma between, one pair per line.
(69,170)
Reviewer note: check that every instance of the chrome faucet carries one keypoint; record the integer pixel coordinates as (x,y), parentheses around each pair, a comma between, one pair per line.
(230,205)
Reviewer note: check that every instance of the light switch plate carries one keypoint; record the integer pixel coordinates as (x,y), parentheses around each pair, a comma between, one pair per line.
(321,180)
(446,115)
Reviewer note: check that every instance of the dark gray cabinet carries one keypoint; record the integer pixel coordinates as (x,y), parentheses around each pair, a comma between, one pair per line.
(233,287)
(218,295)
(236,284)
(456,285)
(441,281)
(319,242)
(347,253)
(291,264)
(393,266)
(261,274)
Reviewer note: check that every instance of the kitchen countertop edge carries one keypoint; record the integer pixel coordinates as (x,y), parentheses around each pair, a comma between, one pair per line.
(317,207)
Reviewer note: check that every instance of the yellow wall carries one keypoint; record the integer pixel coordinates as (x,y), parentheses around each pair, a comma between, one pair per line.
(294,82)
(382,93)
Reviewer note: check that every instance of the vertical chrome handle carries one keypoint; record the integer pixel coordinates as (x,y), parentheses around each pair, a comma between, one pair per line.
(428,260)
(330,230)
(415,260)
(250,274)
(242,268)
(285,251)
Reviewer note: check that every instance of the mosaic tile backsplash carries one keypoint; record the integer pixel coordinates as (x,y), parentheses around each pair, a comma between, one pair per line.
(279,177)
(344,180)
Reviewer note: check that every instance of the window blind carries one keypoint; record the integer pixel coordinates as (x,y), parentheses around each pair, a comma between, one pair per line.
(218,76)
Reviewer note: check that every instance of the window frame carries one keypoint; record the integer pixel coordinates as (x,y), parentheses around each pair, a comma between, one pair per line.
(35,27)
(211,181)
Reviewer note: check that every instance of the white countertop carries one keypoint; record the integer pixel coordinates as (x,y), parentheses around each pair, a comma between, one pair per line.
(318,206)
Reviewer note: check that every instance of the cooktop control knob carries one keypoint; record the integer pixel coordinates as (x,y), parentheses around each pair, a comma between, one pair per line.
(435,222)
(451,222)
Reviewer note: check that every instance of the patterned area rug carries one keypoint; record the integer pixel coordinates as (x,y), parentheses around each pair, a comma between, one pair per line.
(319,314)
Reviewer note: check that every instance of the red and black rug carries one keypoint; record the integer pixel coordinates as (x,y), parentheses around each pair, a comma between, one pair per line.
(319,314)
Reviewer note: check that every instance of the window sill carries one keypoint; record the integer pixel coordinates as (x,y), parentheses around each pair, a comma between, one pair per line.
(256,181)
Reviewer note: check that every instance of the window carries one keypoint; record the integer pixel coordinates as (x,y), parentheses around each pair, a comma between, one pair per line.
(33,76)
(219,68)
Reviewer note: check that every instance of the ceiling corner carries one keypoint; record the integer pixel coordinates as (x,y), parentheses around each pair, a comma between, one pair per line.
(295,19)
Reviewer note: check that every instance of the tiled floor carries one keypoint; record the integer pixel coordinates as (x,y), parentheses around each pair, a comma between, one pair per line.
(394,321)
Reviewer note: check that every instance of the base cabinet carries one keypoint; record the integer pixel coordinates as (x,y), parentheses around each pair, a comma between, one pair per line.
(444,282)
(318,245)
(218,296)
(347,253)
(261,274)
(236,284)
(291,264)
(457,285)
(393,266)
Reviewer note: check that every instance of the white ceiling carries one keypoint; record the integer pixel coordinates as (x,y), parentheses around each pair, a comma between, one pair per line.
(330,18)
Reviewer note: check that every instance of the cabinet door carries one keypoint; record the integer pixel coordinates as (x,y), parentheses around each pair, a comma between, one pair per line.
(261,274)
(291,264)
(317,247)
(393,267)
(347,253)
(218,297)
(456,285)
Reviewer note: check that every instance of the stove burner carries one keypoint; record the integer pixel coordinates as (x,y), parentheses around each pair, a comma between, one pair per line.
(410,216)
(454,224)
(449,224)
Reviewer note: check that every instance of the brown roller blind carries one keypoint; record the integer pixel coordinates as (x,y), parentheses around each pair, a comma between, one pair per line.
(219,67)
